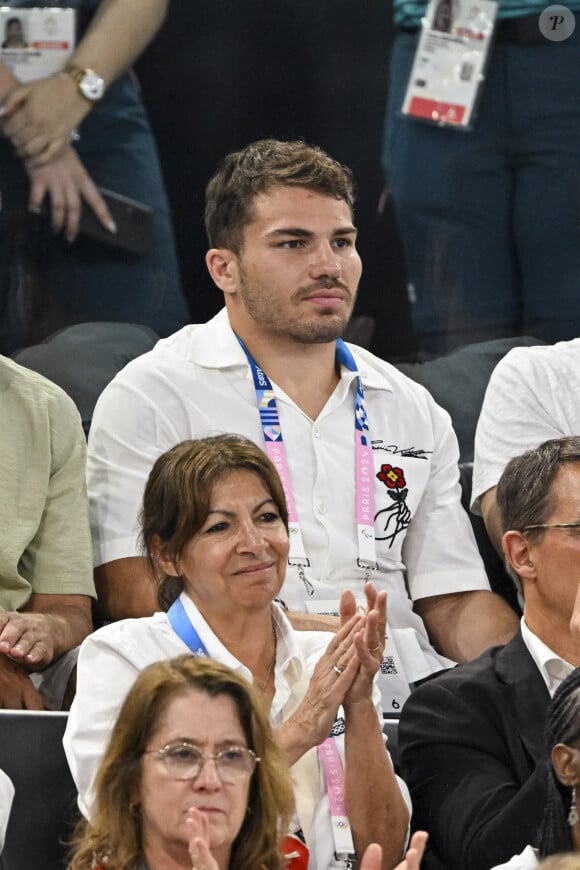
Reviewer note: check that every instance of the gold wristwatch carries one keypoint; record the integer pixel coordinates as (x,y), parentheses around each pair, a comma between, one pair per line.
(90,84)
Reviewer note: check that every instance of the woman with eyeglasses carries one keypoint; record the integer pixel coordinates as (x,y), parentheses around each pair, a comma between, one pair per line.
(191,758)
(214,522)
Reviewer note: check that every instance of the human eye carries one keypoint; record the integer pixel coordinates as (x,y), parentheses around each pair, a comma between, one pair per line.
(343,242)
(217,527)
(236,759)
(269,517)
(233,754)
(182,754)
(292,244)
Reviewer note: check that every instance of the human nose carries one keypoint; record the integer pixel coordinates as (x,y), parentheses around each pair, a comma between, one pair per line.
(208,776)
(325,261)
(250,537)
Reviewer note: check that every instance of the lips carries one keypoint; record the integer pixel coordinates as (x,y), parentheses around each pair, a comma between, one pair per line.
(327,293)
(255,569)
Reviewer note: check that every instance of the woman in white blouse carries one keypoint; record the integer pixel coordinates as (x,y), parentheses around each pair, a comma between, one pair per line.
(214,522)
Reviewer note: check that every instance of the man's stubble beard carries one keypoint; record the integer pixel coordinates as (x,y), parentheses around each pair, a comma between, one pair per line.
(262,306)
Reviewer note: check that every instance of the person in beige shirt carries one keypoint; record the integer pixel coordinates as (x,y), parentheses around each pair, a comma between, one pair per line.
(45,553)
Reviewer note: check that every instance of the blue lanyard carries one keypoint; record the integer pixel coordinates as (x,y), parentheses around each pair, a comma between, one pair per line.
(274,444)
(183,628)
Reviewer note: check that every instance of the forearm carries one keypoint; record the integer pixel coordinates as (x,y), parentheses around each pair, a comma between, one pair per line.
(490,514)
(312,621)
(375,805)
(125,589)
(117,35)
(68,618)
(463,625)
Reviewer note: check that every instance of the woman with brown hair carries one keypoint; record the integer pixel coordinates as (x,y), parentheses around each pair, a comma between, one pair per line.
(157,794)
(215,523)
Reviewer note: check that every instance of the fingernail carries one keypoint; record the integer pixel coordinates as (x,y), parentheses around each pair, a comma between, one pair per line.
(34,209)
(112,227)
(4,646)
(2,111)
(70,238)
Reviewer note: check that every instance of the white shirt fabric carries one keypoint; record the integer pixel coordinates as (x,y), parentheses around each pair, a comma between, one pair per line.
(6,798)
(526,860)
(112,657)
(553,669)
(198,383)
(533,395)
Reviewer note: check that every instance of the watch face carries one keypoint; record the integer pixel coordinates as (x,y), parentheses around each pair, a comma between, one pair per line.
(92,86)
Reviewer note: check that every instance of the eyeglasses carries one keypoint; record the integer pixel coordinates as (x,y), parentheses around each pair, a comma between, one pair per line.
(184,761)
(552,526)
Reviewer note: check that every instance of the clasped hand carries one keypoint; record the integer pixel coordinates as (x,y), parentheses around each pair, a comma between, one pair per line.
(38,117)
(345,672)
(27,638)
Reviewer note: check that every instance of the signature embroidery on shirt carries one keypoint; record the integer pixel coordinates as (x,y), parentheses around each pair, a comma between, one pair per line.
(412,452)
(395,518)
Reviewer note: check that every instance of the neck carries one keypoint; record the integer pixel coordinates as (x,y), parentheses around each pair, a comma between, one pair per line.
(249,636)
(554,630)
(306,372)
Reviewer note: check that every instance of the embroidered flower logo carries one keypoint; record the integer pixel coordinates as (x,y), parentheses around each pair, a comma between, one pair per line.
(394,478)
(397,516)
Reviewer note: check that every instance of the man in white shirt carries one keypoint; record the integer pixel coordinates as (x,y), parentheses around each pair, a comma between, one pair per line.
(472,739)
(532,395)
(279,217)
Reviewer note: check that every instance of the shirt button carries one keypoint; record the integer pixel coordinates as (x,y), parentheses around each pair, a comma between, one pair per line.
(322,508)
(316,432)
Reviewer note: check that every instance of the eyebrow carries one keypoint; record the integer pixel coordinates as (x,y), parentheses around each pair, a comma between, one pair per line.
(228,513)
(303,233)
(222,744)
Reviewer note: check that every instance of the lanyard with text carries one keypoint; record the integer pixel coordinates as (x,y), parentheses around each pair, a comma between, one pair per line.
(334,778)
(364,477)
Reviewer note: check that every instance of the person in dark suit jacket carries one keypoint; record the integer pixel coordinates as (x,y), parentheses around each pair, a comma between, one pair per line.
(472,739)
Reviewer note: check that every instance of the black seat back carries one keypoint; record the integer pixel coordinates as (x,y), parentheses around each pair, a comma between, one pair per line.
(44,809)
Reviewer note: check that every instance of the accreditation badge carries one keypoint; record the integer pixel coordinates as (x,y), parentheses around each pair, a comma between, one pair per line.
(36,43)
(450,62)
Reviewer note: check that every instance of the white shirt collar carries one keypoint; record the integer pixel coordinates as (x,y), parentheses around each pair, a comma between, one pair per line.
(553,669)
(214,345)
(289,659)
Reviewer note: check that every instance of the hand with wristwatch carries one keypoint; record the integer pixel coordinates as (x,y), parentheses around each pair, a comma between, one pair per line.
(41,117)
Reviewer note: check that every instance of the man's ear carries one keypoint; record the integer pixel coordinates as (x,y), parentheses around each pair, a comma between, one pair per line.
(165,559)
(565,761)
(517,552)
(222,265)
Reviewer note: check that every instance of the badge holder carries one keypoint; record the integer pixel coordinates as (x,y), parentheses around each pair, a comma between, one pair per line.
(36,43)
(449,66)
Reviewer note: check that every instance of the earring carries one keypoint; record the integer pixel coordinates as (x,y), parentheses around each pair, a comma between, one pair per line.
(573,816)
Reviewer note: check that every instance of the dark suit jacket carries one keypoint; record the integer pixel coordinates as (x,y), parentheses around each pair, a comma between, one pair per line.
(472,753)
